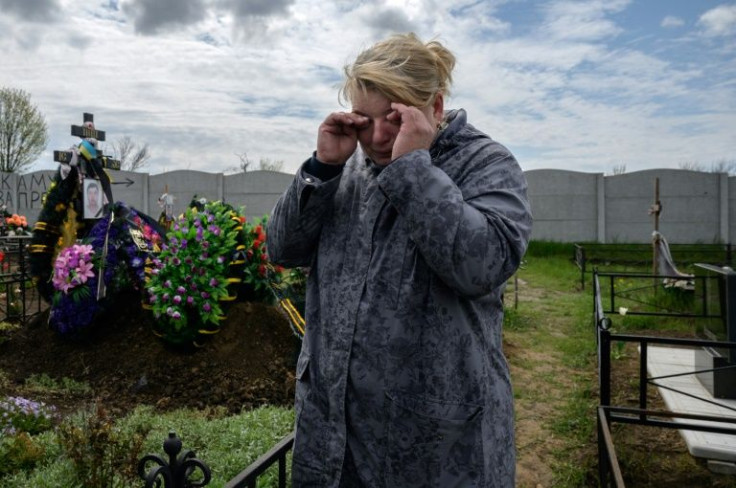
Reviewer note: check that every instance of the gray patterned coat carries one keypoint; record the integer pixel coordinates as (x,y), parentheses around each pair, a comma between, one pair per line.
(402,361)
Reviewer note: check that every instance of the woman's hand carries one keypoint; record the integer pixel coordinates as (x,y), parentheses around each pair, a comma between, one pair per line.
(337,137)
(415,132)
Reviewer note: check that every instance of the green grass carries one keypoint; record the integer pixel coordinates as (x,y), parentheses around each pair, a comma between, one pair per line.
(44,383)
(227,444)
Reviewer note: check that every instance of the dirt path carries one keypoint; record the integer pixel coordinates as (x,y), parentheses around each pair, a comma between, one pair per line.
(540,381)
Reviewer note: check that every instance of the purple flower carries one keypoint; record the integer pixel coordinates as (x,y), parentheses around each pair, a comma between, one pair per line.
(206,307)
(181,289)
(190,300)
(205,295)
(213,282)
(177,299)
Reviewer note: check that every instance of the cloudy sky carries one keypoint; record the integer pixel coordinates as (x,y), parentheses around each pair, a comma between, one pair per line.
(578,85)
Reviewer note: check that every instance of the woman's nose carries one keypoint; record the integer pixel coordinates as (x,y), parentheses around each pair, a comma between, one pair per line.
(384,131)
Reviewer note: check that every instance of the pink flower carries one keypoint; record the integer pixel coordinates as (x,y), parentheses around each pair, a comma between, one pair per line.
(84,271)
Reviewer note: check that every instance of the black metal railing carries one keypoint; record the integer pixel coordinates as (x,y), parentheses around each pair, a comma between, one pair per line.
(277,454)
(609,469)
(19,298)
(640,255)
(640,295)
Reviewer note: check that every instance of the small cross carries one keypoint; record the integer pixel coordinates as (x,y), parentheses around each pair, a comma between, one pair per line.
(86,131)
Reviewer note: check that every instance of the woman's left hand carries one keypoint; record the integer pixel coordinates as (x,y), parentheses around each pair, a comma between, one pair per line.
(415,132)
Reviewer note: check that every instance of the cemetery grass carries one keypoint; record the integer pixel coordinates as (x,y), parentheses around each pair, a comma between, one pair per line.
(231,401)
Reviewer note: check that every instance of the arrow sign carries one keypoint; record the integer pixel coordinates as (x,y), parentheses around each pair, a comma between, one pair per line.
(127,182)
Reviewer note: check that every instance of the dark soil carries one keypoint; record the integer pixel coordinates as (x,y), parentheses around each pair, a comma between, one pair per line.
(248,364)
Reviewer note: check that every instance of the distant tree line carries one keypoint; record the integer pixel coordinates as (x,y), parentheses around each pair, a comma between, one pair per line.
(721,166)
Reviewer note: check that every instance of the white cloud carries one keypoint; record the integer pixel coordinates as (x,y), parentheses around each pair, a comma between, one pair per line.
(576,20)
(558,81)
(720,21)
(671,21)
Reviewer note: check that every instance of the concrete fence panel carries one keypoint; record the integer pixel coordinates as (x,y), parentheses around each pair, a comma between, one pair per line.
(568,206)
(565,205)
(258,191)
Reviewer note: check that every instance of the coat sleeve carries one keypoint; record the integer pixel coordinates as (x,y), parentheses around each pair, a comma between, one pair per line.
(294,227)
(472,233)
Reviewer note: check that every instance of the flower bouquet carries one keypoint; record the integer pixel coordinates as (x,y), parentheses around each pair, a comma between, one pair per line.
(115,252)
(17,225)
(258,272)
(190,280)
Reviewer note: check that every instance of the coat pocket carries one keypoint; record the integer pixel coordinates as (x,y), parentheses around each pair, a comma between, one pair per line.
(309,440)
(433,443)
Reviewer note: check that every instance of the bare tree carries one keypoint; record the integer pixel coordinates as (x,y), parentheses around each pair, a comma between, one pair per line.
(691,166)
(23,132)
(244,162)
(720,166)
(132,157)
(267,164)
(619,169)
(242,167)
(723,166)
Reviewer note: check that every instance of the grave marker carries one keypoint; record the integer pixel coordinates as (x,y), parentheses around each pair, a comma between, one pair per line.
(87,131)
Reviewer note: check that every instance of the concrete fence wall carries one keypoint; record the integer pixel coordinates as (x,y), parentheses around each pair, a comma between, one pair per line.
(568,206)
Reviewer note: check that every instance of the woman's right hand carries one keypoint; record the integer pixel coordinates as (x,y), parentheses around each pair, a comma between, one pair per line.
(338,137)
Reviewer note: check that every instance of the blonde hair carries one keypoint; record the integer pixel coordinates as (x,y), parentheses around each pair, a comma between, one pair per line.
(402,68)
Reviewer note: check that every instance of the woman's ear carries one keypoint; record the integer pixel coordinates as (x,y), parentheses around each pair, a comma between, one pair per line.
(438,107)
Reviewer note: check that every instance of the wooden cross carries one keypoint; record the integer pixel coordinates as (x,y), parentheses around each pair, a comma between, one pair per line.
(655,210)
(86,131)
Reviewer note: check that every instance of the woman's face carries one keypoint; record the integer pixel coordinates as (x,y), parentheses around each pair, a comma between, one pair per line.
(377,138)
